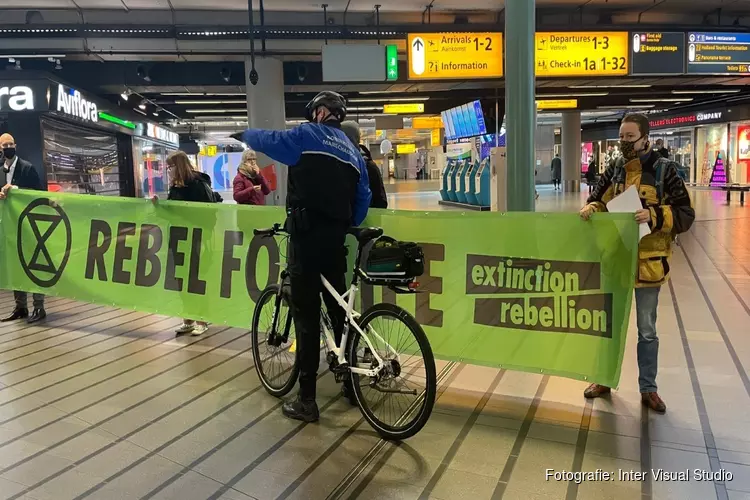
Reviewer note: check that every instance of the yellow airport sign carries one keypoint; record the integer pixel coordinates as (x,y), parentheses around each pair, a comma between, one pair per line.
(569,54)
(405,149)
(435,137)
(403,108)
(445,56)
(427,122)
(557,104)
(211,150)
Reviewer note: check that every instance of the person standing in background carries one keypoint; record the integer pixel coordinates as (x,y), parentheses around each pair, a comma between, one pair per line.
(556,171)
(187,184)
(250,187)
(377,188)
(659,146)
(20,174)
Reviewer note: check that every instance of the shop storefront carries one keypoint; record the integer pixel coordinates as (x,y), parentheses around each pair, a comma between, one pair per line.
(78,142)
(601,144)
(699,142)
(151,146)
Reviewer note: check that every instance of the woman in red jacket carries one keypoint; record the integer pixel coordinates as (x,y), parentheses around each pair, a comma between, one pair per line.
(250,187)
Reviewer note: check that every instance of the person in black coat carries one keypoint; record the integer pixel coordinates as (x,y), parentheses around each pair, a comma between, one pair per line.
(20,174)
(379,198)
(187,184)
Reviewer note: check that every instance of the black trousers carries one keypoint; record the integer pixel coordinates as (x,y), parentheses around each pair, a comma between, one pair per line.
(316,250)
(22,298)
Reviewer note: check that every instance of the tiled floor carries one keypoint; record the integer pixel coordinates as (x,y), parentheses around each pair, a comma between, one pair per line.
(105,404)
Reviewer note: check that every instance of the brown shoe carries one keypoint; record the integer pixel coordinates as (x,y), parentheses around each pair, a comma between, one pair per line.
(653,401)
(596,390)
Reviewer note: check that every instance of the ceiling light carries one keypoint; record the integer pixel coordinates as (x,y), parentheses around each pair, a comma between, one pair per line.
(125,95)
(141,112)
(198,103)
(218,110)
(663,99)
(388,99)
(58,66)
(142,105)
(728,91)
(583,94)
(17,66)
(628,106)
(623,86)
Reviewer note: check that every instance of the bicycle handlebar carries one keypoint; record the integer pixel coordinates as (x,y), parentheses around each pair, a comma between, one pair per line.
(276,229)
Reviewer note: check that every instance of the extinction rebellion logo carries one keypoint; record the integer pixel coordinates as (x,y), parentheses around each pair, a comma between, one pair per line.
(44,241)
(546,296)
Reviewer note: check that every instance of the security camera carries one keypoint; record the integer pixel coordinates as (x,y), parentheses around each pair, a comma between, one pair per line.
(142,72)
(301,72)
(253,77)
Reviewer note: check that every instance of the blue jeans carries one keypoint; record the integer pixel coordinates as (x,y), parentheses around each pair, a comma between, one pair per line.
(646,302)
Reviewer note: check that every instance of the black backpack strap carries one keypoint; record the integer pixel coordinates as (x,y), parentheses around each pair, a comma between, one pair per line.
(661,169)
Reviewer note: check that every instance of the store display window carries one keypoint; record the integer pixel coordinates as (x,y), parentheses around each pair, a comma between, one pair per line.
(711,155)
(80,160)
(152,177)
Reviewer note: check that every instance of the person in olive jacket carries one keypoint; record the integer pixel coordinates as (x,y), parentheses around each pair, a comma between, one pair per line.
(250,187)
(379,198)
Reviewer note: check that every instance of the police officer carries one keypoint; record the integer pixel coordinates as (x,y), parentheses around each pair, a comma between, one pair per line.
(327,192)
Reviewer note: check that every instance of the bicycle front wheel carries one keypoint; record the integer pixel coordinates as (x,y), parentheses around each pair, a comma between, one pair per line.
(274,342)
(398,402)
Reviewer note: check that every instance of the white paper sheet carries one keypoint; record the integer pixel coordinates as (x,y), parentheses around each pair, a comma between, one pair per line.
(629,202)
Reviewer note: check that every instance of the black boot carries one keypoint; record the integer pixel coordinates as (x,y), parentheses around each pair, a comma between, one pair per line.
(306,411)
(17,313)
(37,316)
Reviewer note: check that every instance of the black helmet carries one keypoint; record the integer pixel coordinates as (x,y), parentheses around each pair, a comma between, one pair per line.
(332,101)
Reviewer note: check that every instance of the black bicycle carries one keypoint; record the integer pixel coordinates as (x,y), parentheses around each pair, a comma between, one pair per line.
(384,351)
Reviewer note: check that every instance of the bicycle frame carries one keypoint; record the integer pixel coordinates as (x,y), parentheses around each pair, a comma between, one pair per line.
(346,302)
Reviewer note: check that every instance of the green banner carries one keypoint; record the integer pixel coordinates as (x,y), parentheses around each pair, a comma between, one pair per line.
(534,292)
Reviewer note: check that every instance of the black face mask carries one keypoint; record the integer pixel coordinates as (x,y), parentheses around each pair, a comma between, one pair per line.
(9,153)
(628,149)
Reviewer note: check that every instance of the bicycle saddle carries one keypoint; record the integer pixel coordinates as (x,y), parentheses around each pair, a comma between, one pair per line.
(365,234)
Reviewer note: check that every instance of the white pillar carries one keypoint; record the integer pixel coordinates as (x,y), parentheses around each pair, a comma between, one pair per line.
(571,151)
(265,109)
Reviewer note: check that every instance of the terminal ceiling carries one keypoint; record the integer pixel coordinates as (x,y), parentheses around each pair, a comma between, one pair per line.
(193,66)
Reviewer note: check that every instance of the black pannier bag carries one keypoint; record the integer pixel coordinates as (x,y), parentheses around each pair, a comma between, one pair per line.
(388,259)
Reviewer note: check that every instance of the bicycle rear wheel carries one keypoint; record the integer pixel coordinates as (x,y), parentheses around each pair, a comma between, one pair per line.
(398,403)
(275,345)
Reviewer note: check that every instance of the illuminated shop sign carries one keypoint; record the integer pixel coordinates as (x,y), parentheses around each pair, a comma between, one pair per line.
(71,102)
(702,117)
(16,98)
(162,134)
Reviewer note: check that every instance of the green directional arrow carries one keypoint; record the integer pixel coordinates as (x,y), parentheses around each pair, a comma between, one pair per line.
(391,62)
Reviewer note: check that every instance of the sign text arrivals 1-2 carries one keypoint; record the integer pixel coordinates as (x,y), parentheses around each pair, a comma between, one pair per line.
(582,54)
(435,56)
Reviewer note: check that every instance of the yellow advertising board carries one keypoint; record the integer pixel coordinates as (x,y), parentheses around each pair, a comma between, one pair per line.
(427,122)
(556,104)
(405,149)
(435,137)
(445,56)
(403,108)
(572,54)
(211,150)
